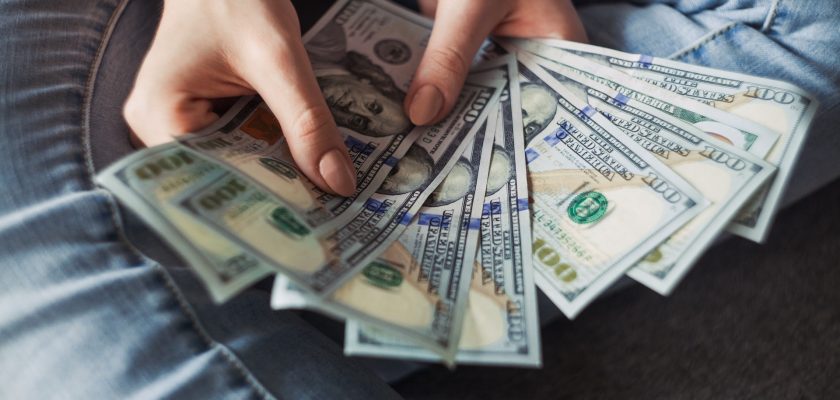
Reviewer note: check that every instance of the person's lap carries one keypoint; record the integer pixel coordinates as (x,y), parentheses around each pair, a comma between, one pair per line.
(83,312)
(793,41)
(790,41)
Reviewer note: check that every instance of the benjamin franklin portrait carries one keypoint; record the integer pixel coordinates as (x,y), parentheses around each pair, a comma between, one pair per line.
(501,170)
(458,183)
(360,94)
(538,109)
(413,172)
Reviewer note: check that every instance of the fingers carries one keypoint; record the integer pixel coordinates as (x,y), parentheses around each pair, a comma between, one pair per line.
(156,119)
(554,19)
(201,53)
(287,84)
(428,7)
(172,93)
(459,30)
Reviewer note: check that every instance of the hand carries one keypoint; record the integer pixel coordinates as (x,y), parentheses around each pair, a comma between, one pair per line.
(223,48)
(460,28)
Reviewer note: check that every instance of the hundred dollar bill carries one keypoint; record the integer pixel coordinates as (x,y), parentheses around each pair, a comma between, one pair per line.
(363,69)
(249,141)
(501,326)
(418,288)
(724,174)
(779,106)
(320,259)
(740,132)
(146,181)
(601,202)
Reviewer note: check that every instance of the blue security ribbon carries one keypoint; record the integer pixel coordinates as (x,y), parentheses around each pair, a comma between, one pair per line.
(522,204)
(530,155)
(406,219)
(621,99)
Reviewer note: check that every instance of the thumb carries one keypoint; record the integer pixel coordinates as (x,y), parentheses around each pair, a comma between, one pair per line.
(154,119)
(287,84)
(460,29)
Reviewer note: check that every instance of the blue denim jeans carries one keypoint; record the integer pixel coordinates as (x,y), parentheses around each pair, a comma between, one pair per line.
(94,305)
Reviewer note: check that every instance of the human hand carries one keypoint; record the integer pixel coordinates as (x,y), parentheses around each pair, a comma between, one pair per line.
(205,50)
(460,28)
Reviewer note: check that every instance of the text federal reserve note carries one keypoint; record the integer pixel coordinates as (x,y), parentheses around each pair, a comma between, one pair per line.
(601,202)
(501,326)
(779,106)
(725,175)
(418,288)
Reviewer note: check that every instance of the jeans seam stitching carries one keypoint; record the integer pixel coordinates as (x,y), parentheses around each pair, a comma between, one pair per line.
(703,41)
(771,16)
(87,96)
(199,329)
(183,304)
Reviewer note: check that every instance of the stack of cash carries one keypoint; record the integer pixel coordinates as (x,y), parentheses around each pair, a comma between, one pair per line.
(563,166)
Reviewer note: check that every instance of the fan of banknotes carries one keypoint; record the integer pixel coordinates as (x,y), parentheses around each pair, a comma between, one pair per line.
(563,166)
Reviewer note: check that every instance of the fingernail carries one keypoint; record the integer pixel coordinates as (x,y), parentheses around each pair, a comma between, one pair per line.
(338,172)
(426,105)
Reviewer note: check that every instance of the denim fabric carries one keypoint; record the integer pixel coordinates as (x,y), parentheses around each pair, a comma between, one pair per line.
(94,305)
(795,41)
(789,40)
(83,314)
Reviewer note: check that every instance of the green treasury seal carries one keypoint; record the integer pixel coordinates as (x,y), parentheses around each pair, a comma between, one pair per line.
(285,222)
(588,207)
(382,275)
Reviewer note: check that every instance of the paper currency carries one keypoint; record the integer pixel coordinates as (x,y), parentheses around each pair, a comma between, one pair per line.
(738,131)
(559,162)
(363,69)
(725,175)
(501,325)
(418,288)
(779,106)
(601,202)
(320,259)
(147,180)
